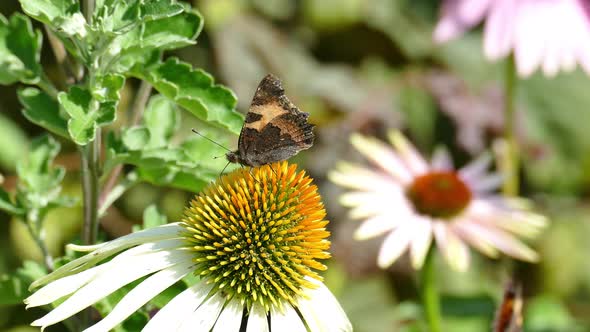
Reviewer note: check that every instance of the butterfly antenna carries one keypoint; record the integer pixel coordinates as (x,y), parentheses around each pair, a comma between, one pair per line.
(210,140)
(223,170)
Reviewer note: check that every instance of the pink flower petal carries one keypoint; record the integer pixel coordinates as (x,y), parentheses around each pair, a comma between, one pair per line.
(375,226)
(408,154)
(457,16)
(394,245)
(421,241)
(498,29)
(454,250)
(383,156)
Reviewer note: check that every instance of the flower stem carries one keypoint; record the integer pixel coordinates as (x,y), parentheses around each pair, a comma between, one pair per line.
(430,296)
(429,290)
(36,233)
(90,189)
(511,183)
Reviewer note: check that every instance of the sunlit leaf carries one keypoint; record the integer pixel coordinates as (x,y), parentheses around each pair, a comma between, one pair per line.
(43,111)
(20,49)
(194,90)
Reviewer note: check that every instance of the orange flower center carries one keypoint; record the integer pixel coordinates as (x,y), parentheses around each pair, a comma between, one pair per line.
(439,194)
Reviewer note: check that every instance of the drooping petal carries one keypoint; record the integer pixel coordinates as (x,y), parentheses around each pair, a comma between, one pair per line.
(257,319)
(62,287)
(454,250)
(529,44)
(375,226)
(230,318)
(110,248)
(499,29)
(205,316)
(457,16)
(394,245)
(506,243)
(469,232)
(321,305)
(183,305)
(141,294)
(408,153)
(383,156)
(421,241)
(287,320)
(109,280)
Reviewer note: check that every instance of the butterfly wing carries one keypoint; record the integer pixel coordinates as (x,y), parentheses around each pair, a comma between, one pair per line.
(274,129)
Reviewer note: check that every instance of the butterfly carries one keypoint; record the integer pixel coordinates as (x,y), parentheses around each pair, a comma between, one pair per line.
(509,314)
(274,128)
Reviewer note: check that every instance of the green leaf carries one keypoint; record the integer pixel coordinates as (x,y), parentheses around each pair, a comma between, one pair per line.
(121,16)
(43,111)
(86,114)
(152,218)
(161,119)
(61,15)
(14,287)
(20,50)
(546,313)
(39,187)
(37,167)
(194,90)
(136,138)
(137,45)
(8,206)
(12,140)
(108,87)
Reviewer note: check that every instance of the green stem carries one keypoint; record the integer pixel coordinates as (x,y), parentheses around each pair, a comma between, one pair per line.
(115,192)
(37,236)
(90,175)
(430,296)
(46,85)
(511,183)
(88,10)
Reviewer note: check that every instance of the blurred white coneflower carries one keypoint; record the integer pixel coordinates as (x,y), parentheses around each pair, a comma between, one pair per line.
(415,201)
(551,34)
(253,238)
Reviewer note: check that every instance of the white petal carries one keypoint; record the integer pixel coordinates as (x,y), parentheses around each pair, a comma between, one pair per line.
(421,241)
(109,280)
(383,156)
(476,169)
(469,232)
(141,294)
(441,160)
(394,245)
(287,321)
(358,177)
(451,246)
(62,287)
(110,248)
(183,305)
(257,319)
(322,312)
(205,316)
(507,243)
(486,184)
(374,226)
(230,318)
(408,153)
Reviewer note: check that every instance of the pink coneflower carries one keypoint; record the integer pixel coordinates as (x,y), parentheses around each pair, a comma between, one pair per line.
(415,201)
(552,34)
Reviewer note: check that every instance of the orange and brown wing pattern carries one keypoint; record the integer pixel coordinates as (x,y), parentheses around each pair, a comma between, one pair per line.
(509,315)
(274,129)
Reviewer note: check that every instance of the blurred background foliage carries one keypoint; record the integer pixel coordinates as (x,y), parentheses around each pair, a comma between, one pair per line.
(357,65)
